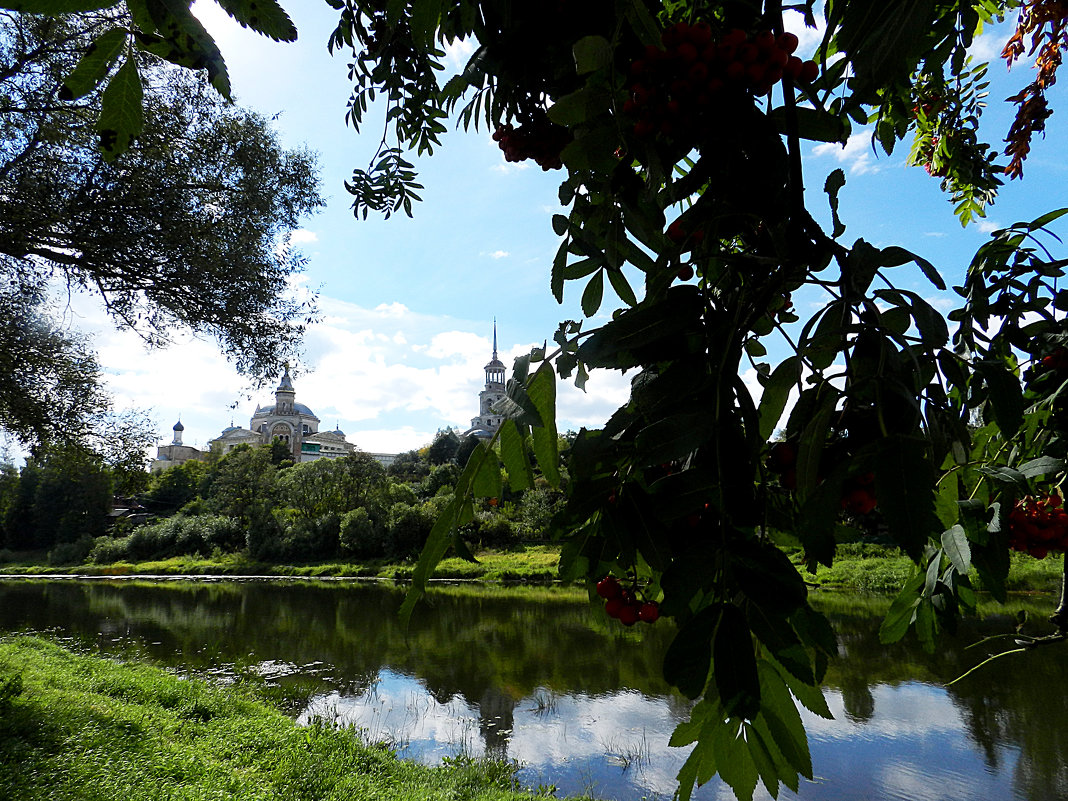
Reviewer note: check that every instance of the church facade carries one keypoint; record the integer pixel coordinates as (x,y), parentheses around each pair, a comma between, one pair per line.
(293,423)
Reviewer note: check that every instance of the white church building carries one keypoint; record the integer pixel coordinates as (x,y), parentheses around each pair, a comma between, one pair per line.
(297,426)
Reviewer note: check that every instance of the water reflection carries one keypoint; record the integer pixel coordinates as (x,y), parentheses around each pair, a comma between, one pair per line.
(540,677)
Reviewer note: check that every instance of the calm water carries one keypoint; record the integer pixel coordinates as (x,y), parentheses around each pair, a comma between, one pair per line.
(540,677)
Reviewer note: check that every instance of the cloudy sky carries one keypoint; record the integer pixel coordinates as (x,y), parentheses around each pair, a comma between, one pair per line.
(408,305)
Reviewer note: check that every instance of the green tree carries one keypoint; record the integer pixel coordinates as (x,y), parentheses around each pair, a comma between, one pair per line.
(332,485)
(243,485)
(443,448)
(188,229)
(176,486)
(73,496)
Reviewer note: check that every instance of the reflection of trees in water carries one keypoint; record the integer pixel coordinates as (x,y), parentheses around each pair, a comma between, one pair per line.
(1016,702)
(493,650)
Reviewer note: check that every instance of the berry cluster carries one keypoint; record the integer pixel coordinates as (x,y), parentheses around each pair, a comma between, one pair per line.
(1038,526)
(623,603)
(858,492)
(1054,362)
(538,138)
(676,91)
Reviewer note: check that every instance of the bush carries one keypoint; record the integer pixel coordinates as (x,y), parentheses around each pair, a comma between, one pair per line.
(409,527)
(307,539)
(494,530)
(181,535)
(71,553)
(361,535)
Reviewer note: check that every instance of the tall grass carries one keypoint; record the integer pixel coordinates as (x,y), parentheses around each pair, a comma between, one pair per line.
(83,728)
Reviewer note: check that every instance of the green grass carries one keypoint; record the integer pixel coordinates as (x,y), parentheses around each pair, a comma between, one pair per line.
(875,568)
(858,567)
(530,563)
(84,728)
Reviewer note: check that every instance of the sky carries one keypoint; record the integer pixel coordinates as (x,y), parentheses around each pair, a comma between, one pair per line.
(408,305)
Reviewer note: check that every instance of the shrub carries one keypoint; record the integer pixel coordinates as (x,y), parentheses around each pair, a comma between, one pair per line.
(361,535)
(71,553)
(181,535)
(409,527)
(494,530)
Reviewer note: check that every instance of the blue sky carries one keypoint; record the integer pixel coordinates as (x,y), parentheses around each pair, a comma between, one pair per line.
(408,304)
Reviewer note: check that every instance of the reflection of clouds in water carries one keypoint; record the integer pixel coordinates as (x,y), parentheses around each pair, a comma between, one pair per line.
(914,747)
(903,710)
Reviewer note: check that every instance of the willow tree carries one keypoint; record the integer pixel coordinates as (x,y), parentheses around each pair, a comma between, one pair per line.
(679,127)
(186,229)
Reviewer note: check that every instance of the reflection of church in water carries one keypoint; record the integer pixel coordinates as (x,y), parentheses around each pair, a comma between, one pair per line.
(296,426)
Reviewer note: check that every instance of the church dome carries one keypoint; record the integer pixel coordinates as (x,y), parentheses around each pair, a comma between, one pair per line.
(298,408)
(178,426)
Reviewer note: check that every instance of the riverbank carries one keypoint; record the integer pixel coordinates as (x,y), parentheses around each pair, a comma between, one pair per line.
(82,728)
(858,567)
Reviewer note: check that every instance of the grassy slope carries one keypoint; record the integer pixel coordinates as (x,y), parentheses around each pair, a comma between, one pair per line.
(88,729)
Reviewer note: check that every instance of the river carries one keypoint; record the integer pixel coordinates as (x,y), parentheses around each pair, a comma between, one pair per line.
(540,676)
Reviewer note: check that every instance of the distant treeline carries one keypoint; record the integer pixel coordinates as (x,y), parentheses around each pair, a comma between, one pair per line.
(253,500)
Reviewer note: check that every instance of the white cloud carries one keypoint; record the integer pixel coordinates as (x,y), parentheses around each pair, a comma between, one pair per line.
(989,45)
(499,254)
(302,235)
(458,53)
(988,226)
(857,154)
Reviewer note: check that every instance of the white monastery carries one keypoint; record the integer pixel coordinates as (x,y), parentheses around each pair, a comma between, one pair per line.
(297,426)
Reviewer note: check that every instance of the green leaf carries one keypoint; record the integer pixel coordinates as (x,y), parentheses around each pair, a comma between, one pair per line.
(573,109)
(263,16)
(776,394)
(653,330)
(834,183)
(1042,466)
(946,505)
(591,53)
(814,124)
(95,65)
(591,296)
(486,481)
(809,694)
(894,256)
(736,766)
(734,664)
(783,721)
(902,610)
(186,42)
(434,549)
(121,113)
(955,545)
(423,19)
(514,455)
(905,486)
(622,288)
(542,391)
(689,657)
(1004,394)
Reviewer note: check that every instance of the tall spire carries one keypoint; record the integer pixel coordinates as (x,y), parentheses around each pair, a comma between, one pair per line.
(495,339)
